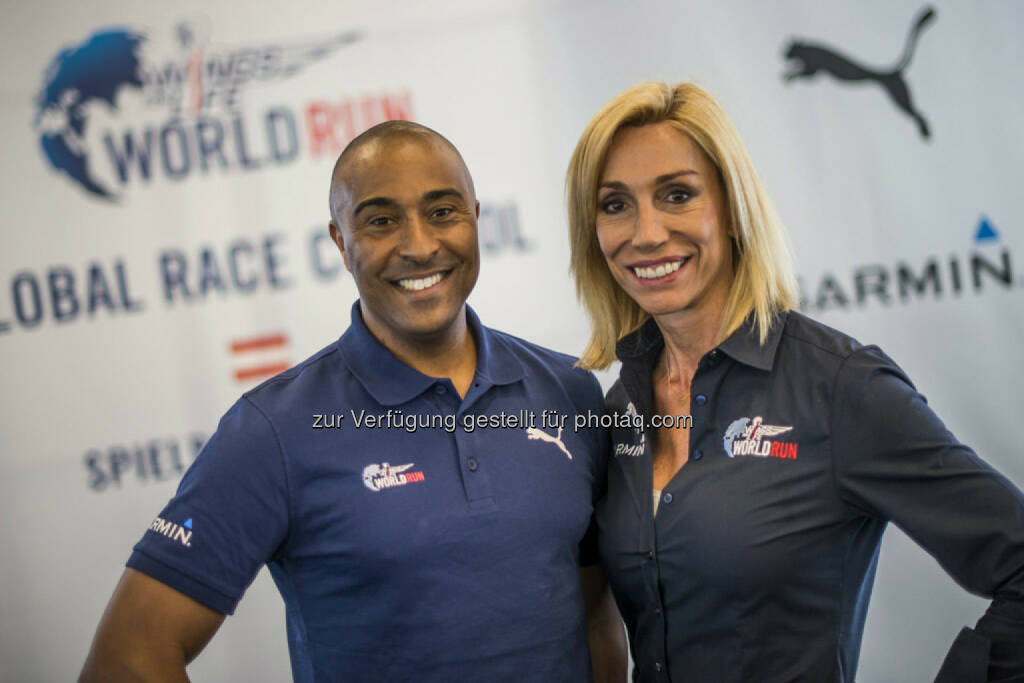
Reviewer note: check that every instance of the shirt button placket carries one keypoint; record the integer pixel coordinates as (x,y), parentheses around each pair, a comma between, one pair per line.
(699,403)
(470,446)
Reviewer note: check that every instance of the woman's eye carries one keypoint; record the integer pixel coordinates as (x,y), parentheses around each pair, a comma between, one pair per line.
(612,206)
(677,196)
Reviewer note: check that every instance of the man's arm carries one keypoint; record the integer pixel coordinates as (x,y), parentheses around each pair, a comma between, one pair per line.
(149,632)
(605,632)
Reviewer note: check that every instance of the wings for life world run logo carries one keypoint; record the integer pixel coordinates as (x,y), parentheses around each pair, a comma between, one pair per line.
(121,109)
(751,436)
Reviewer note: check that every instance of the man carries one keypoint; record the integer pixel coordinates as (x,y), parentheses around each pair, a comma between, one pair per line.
(412,543)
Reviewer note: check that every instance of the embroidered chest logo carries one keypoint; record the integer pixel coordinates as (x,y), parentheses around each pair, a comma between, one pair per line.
(635,449)
(532,433)
(386,476)
(747,436)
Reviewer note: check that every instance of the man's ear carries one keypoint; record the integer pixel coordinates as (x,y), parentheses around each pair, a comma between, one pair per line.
(340,243)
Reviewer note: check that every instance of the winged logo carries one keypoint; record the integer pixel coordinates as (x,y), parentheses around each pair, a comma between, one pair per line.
(383,475)
(749,432)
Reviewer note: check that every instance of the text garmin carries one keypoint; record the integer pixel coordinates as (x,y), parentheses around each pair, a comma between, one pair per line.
(180,533)
(988,265)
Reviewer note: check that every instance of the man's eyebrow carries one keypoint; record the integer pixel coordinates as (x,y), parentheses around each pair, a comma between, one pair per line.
(384,202)
(434,195)
(616,185)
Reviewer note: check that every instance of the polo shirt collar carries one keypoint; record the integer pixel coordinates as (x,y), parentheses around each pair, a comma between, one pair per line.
(645,344)
(391,382)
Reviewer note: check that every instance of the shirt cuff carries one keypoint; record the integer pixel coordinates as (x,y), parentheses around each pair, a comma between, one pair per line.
(967,659)
(199,592)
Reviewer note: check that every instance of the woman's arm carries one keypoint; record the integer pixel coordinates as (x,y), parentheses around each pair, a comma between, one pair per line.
(895,460)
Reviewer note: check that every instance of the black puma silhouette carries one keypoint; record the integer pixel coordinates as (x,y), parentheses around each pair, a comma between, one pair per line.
(810,58)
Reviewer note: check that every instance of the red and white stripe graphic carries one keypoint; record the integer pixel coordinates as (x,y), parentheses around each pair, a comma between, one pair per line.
(260,356)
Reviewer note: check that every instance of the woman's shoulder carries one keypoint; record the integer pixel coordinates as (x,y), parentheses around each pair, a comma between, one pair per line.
(807,335)
(812,348)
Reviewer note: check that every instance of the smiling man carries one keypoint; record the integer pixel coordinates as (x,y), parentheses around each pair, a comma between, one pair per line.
(431,553)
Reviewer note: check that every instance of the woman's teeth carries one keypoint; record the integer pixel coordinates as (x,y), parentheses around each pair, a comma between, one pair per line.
(421,283)
(660,270)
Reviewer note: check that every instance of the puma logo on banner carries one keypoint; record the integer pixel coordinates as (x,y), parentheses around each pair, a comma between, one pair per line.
(810,58)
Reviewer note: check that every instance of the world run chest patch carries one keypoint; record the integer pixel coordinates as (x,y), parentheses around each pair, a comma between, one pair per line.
(378,477)
(752,437)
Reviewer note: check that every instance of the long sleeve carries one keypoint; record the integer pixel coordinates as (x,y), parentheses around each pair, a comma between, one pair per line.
(895,460)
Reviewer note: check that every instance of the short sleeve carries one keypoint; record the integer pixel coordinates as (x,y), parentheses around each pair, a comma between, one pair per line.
(228,517)
(896,461)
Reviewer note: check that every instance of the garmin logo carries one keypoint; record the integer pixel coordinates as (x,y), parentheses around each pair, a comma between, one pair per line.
(986,267)
(180,533)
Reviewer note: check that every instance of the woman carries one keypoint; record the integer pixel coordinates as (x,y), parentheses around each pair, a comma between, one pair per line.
(744,548)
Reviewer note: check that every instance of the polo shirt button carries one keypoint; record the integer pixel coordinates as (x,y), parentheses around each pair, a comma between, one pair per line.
(697,455)
(650,554)
(658,666)
(701,399)
(713,355)
(440,389)
(657,609)
(472,464)
(667,498)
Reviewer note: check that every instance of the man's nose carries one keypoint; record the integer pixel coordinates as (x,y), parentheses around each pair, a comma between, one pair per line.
(419,242)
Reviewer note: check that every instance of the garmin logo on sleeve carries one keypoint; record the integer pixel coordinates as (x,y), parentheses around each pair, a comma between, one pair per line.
(181,533)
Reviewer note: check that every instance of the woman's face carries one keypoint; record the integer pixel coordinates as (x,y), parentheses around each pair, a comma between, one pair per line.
(662,222)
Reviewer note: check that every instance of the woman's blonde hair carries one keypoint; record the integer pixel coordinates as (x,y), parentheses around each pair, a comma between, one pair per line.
(763,282)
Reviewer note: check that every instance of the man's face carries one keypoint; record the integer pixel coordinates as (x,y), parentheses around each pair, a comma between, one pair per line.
(407,232)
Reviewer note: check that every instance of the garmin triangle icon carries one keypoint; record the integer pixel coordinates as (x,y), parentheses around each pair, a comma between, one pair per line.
(187,523)
(985,232)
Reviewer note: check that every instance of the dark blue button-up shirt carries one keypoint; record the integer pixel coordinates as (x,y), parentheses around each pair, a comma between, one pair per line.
(804,448)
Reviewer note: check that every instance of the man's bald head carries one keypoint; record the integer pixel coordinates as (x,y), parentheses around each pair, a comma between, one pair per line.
(383,135)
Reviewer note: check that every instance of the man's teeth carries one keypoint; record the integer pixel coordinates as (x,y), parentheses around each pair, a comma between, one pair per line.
(660,270)
(422,283)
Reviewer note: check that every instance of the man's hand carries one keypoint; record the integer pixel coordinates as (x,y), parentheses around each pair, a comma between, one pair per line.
(606,634)
(149,632)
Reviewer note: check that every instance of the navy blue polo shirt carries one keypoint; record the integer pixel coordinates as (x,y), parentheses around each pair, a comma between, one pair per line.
(759,563)
(404,550)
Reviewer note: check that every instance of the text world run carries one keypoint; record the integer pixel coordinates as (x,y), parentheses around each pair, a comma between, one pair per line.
(179,147)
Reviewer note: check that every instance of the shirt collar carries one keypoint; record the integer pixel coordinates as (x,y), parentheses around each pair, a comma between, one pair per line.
(744,345)
(392,382)
(645,343)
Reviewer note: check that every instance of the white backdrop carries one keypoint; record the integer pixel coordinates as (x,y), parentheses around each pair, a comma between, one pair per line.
(126,320)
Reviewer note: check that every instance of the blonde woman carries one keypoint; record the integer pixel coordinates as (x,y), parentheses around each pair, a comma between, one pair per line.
(742,546)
